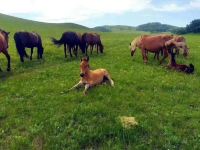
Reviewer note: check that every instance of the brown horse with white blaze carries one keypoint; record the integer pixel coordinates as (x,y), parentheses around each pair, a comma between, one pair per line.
(4,46)
(90,78)
(150,43)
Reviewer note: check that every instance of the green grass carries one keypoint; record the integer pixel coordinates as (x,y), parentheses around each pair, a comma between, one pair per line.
(34,113)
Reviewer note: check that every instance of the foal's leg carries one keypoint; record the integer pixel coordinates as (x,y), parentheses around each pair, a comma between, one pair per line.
(31,53)
(87,86)
(8,58)
(109,79)
(76,86)
(97,48)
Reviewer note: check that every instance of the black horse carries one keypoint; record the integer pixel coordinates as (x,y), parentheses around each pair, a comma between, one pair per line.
(25,40)
(71,40)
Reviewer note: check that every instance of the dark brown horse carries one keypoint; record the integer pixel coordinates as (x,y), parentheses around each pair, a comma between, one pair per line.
(4,46)
(71,40)
(92,39)
(25,40)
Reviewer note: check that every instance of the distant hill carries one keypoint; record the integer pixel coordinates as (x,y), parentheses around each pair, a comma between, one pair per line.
(14,24)
(156,27)
(114,28)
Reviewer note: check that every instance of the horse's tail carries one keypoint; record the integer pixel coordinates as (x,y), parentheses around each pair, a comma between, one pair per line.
(57,42)
(19,45)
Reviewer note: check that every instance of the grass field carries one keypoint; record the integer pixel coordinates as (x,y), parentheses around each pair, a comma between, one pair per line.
(36,114)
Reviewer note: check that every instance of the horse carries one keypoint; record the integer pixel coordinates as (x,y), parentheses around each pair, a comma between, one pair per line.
(30,40)
(90,78)
(4,46)
(181,45)
(92,39)
(71,40)
(179,67)
(150,43)
(179,38)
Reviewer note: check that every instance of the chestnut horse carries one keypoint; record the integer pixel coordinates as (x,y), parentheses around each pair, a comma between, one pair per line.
(92,39)
(183,46)
(25,40)
(71,40)
(150,43)
(90,78)
(4,46)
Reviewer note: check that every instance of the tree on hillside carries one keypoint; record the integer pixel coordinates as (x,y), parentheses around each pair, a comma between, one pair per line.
(194,26)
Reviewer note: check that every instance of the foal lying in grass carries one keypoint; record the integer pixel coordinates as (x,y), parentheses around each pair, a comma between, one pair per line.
(90,78)
(180,67)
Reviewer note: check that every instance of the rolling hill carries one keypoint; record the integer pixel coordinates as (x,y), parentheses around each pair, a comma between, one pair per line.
(156,27)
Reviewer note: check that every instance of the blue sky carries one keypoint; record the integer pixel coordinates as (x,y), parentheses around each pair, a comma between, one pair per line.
(105,12)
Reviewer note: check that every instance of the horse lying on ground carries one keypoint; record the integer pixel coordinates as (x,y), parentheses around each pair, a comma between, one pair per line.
(71,40)
(150,43)
(4,46)
(92,39)
(28,40)
(179,67)
(90,78)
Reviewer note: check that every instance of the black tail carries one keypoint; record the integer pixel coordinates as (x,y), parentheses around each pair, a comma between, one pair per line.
(57,42)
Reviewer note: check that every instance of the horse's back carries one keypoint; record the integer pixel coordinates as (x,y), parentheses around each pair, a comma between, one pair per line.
(27,39)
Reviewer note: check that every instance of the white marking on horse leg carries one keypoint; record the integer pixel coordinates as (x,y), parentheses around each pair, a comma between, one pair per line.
(86,88)
(76,86)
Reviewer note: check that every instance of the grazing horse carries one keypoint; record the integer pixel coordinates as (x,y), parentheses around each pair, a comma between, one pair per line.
(92,39)
(183,46)
(179,67)
(4,46)
(90,78)
(71,40)
(150,43)
(25,40)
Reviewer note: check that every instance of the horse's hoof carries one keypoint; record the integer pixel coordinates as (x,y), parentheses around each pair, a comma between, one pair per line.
(8,69)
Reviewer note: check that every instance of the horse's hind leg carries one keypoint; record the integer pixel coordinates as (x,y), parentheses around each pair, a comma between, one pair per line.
(109,79)
(65,50)
(165,53)
(8,58)
(31,54)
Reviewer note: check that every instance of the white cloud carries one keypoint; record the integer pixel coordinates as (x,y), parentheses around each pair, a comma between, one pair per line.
(80,10)
(71,10)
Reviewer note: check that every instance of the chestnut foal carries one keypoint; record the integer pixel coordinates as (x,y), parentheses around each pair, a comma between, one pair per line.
(90,78)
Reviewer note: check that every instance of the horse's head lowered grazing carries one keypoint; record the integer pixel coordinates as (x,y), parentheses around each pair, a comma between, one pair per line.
(134,44)
(84,66)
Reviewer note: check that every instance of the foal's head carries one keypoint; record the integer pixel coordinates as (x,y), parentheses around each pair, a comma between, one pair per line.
(84,66)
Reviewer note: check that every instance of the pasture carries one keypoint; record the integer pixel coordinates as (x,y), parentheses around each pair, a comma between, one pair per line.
(37,113)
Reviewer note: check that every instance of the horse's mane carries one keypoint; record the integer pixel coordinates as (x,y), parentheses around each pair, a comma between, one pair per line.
(134,43)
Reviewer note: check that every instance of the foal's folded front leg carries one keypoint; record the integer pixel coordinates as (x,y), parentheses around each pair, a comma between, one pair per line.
(76,86)
(87,86)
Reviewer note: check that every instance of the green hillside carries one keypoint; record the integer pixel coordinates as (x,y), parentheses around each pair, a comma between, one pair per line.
(156,27)
(36,112)
(115,28)
(15,24)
